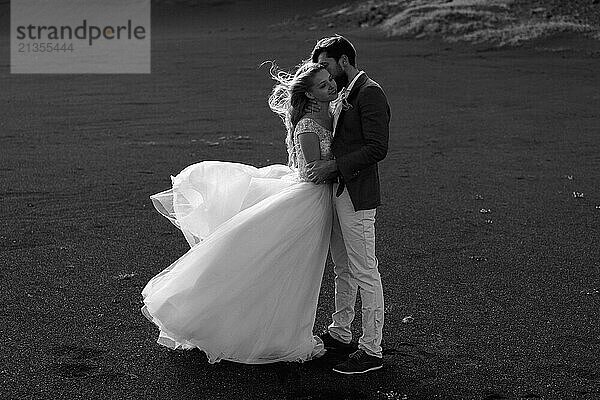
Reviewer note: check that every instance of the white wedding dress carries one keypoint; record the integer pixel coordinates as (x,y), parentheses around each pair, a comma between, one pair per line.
(247,290)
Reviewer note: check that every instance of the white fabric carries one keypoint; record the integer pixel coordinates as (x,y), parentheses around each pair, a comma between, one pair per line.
(356,268)
(207,194)
(341,98)
(248,288)
(337,109)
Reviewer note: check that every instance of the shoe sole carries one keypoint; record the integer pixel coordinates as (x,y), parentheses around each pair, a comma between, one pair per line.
(358,372)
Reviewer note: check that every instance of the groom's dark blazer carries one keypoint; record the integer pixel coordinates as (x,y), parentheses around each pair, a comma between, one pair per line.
(361,140)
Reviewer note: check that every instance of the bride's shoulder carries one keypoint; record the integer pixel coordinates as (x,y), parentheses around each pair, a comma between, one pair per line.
(307,123)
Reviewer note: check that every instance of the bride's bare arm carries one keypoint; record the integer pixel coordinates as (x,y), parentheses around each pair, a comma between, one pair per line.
(309,144)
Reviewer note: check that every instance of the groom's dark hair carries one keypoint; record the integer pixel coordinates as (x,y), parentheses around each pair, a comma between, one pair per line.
(335,47)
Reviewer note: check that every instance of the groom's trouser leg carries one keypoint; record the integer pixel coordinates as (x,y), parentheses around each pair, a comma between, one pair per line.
(358,233)
(346,286)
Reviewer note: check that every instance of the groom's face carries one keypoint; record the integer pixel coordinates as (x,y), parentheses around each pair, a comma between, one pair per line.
(334,68)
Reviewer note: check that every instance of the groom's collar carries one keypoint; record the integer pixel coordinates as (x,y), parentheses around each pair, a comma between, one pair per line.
(357,82)
(351,84)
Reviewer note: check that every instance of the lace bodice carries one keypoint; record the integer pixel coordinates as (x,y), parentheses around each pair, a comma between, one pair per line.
(325,138)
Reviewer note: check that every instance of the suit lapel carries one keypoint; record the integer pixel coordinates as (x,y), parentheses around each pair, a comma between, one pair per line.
(357,85)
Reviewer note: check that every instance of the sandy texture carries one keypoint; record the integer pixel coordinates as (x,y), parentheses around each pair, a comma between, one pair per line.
(501,23)
(487,238)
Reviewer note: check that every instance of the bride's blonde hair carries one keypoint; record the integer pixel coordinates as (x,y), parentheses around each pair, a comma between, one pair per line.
(288,99)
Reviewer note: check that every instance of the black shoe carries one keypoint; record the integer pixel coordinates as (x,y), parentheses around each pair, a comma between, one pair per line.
(359,362)
(332,344)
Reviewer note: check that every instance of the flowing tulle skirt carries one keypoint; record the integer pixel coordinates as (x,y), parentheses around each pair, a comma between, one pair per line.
(247,290)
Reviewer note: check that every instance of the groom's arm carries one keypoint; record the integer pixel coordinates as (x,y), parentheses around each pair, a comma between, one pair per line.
(375,117)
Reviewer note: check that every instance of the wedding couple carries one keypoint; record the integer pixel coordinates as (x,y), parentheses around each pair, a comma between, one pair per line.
(248,288)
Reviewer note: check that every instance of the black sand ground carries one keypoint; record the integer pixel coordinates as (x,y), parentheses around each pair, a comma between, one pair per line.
(488,236)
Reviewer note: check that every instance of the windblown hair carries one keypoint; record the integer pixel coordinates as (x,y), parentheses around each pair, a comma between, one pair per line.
(288,99)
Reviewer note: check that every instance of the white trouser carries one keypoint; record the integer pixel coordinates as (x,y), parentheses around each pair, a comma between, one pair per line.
(353,251)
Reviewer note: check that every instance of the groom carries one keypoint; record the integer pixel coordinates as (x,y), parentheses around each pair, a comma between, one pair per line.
(361,132)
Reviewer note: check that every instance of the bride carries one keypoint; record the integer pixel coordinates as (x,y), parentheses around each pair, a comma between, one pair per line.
(247,290)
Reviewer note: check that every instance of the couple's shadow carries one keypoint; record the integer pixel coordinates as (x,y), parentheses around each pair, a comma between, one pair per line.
(312,379)
(197,359)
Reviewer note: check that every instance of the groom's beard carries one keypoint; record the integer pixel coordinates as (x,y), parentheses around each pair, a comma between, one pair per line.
(341,81)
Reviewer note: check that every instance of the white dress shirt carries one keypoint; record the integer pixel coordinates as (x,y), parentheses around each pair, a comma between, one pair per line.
(343,95)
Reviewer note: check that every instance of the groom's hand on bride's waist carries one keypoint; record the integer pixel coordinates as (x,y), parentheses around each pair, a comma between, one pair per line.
(322,171)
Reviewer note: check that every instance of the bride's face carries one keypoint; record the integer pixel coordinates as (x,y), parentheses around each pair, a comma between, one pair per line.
(334,68)
(324,87)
